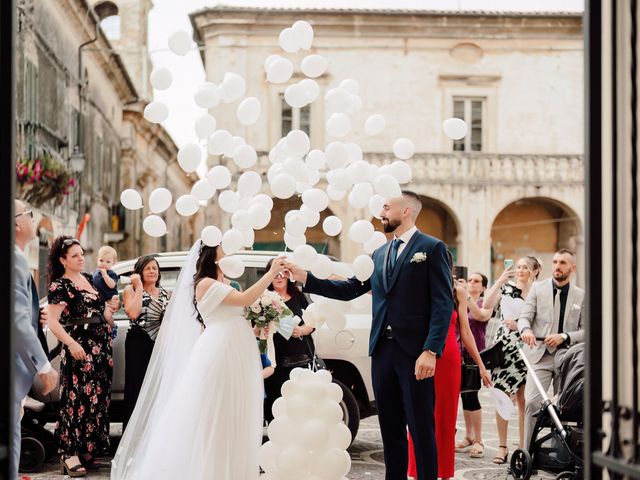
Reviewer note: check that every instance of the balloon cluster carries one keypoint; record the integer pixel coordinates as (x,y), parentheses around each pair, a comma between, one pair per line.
(295,169)
(307,438)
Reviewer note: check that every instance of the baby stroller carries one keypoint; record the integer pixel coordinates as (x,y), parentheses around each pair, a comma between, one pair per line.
(557,438)
(37,444)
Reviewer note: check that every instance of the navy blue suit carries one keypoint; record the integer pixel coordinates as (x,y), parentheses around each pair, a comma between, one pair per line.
(416,301)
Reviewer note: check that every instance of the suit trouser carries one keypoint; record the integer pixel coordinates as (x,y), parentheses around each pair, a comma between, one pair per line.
(545,370)
(402,400)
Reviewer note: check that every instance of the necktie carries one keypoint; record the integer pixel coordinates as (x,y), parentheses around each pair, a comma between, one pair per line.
(394,253)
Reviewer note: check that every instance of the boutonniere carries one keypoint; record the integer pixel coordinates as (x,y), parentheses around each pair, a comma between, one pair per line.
(418,257)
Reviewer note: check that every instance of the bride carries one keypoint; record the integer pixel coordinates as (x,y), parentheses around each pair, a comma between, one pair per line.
(199,413)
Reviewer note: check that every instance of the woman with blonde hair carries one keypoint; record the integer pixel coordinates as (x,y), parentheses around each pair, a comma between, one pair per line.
(510,292)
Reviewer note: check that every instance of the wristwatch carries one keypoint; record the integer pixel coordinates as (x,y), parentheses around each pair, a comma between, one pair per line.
(565,337)
(431,352)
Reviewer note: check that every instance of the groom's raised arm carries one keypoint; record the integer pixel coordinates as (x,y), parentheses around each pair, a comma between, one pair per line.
(441,298)
(336,289)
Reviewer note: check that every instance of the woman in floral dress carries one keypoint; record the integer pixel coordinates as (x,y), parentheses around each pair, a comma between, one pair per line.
(510,291)
(80,319)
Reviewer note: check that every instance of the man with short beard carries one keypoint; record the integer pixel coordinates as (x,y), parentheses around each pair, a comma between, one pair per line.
(412,303)
(554,311)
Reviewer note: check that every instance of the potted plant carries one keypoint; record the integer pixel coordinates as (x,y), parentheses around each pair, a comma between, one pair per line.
(43,178)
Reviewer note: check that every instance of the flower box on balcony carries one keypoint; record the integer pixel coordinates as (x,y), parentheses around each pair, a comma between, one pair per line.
(43,178)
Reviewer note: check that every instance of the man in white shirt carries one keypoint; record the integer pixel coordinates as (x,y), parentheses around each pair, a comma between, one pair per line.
(31,359)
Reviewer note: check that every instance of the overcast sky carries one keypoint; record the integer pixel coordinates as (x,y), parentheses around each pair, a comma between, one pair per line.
(170,15)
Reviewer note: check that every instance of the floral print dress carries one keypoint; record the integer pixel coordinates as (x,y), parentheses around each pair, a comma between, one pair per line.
(85,385)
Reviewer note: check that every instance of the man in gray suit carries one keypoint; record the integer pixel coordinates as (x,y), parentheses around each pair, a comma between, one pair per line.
(554,311)
(31,360)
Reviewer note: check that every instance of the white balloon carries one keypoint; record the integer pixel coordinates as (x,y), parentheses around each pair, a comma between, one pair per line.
(305,256)
(361,230)
(295,224)
(333,463)
(358,170)
(231,266)
(321,269)
(374,125)
(337,100)
(180,42)
(260,215)
(336,322)
(292,460)
(340,179)
(283,186)
(159,200)
(335,194)
(229,201)
(314,66)
(336,155)
(203,190)
(376,240)
(189,157)
(248,111)
(294,241)
(187,205)
(160,78)
(207,95)
(154,226)
(376,202)
(263,199)
(312,88)
(156,112)
(236,141)
(401,171)
(315,199)
(340,435)
(315,159)
(279,70)
(403,148)
(350,85)
(245,156)
(338,125)
(304,33)
(387,186)
(219,143)
(296,168)
(296,95)
(373,173)
(232,88)
(240,220)
(311,216)
(360,195)
(269,60)
(455,128)
(298,142)
(211,236)
(268,450)
(363,267)
(131,199)
(219,176)
(288,40)
(332,225)
(355,152)
(355,104)
(232,241)
(249,183)
(205,126)
(248,238)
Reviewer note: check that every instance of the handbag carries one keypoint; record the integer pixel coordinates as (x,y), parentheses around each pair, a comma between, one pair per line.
(493,357)
(311,361)
(469,377)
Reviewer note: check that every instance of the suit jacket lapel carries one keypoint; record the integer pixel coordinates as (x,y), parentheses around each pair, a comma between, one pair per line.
(569,306)
(35,304)
(396,271)
(385,260)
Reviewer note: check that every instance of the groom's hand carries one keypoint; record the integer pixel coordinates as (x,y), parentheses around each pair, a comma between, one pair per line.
(297,273)
(425,365)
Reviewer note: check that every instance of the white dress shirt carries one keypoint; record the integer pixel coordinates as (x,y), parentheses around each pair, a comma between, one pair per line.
(405,237)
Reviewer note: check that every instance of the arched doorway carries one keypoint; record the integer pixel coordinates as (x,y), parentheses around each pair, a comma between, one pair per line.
(271,237)
(437,220)
(533,226)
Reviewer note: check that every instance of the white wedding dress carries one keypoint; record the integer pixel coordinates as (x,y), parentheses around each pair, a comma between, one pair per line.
(209,425)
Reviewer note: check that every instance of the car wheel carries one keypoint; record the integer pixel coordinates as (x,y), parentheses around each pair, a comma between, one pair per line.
(350,410)
(32,454)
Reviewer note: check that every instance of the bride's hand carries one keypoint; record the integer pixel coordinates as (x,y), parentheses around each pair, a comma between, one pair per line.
(277,265)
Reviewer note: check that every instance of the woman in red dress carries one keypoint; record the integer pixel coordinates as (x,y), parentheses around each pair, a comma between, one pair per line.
(447,385)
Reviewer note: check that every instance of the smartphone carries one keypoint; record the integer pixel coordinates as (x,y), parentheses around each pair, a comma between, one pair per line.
(460,272)
(508,263)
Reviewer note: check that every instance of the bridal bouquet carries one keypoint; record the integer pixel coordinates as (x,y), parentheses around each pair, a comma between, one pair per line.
(266,312)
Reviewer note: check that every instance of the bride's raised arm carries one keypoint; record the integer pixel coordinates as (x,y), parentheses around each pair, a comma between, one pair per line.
(251,294)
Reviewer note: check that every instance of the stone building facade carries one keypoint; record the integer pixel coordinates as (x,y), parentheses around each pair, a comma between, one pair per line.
(75,93)
(513,187)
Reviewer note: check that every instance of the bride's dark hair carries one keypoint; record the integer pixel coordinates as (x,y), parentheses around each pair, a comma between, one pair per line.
(207,265)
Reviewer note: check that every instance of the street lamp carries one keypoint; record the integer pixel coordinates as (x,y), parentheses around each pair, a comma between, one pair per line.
(76,160)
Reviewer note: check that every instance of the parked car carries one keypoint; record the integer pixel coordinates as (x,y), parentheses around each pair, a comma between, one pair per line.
(344,351)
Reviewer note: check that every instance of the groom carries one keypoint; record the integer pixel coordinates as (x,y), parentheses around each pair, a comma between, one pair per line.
(412,307)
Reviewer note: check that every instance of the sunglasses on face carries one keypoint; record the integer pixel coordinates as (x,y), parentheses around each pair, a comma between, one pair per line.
(283,274)
(26,212)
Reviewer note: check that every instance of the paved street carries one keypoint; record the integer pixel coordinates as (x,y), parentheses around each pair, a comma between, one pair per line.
(366,452)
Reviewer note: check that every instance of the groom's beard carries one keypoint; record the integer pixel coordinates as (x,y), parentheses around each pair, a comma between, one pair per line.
(390,225)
